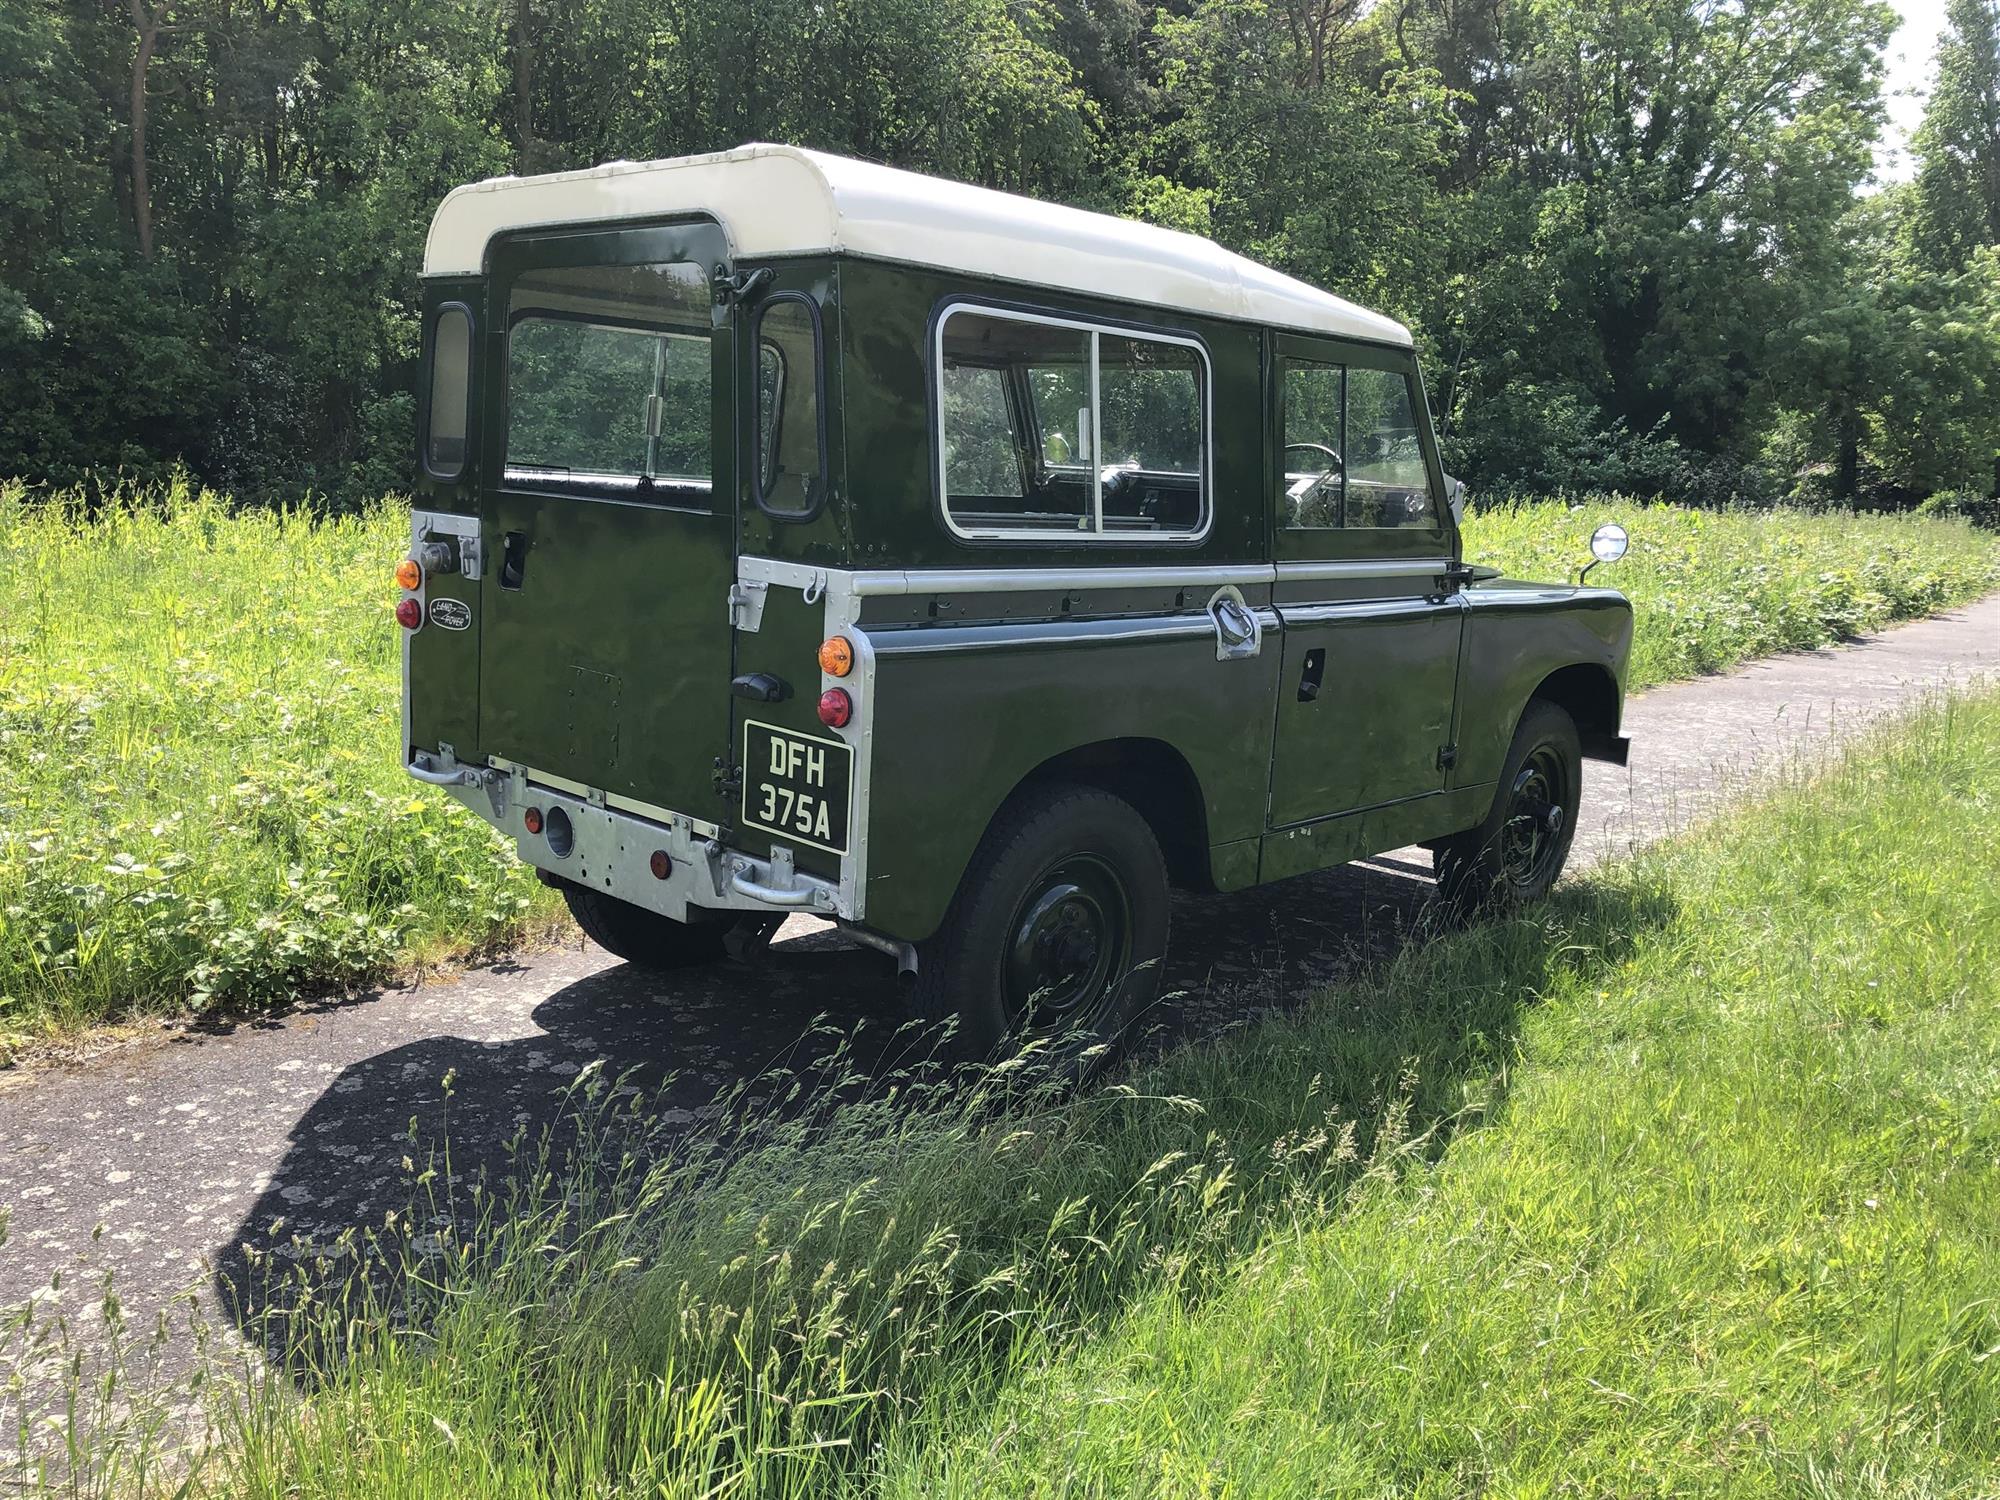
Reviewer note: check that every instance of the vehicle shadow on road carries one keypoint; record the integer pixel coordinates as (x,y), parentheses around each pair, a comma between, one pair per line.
(423,1123)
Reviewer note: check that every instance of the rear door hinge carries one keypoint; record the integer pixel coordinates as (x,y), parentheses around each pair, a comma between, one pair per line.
(1447,757)
(746,604)
(728,778)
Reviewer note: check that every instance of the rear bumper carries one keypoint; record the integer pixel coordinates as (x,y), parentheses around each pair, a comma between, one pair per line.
(612,848)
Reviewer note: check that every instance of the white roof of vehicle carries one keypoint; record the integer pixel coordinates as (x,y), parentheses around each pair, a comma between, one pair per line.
(779,200)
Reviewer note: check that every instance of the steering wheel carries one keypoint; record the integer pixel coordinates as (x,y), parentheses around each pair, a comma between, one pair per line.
(1334,464)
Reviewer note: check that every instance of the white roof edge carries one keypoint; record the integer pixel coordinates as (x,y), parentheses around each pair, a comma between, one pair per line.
(781,200)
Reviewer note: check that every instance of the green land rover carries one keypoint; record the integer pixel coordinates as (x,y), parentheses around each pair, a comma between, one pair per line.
(800,535)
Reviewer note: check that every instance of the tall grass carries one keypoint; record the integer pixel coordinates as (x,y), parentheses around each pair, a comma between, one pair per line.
(1711,589)
(199,798)
(1683,1183)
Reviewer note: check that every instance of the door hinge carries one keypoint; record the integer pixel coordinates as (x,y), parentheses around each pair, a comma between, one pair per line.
(746,604)
(1447,757)
(728,778)
(740,286)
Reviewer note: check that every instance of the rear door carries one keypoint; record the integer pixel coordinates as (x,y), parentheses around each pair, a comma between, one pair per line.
(1366,697)
(605,648)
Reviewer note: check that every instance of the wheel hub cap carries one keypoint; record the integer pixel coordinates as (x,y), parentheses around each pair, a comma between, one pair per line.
(1068,947)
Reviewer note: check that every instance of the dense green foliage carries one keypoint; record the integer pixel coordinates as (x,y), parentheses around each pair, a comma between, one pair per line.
(199,797)
(1632,240)
(1682,1184)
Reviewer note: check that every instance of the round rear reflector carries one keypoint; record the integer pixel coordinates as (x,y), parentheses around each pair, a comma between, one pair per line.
(409,614)
(835,707)
(662,865)
(532,820)
(836,656)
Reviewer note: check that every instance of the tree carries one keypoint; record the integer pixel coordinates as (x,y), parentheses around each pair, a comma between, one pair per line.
(1957,208)
(149,24)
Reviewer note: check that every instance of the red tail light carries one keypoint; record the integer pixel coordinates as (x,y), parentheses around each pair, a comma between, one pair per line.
(409,614)
(835,707)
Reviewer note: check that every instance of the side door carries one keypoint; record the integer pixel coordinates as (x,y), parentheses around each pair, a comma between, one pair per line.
(1364,547)
(610,520)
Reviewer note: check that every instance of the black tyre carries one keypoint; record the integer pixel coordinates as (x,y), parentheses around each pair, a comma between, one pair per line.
(1057,934)
(1515,855)
(640,936)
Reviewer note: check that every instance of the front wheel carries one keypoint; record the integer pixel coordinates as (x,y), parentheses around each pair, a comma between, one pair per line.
(644,937)
(1515,855)
(1057,934)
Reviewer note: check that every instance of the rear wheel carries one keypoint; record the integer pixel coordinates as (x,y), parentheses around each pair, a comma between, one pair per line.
(644,937)
(1515,855)
(1057,933)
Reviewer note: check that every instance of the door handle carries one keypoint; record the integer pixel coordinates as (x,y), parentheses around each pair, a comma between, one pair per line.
(513,559)
(1309,678)
(1238,631)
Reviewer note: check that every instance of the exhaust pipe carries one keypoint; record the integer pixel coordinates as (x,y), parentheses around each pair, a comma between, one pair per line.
(905,954)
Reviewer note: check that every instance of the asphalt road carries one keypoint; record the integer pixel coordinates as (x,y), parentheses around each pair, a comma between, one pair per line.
(166,1160)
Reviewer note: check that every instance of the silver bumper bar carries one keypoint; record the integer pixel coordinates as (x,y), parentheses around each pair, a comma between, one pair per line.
(612,848)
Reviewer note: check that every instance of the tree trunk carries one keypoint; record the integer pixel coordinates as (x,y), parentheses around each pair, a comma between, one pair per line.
(524,92)
(1847,479)
(149,23)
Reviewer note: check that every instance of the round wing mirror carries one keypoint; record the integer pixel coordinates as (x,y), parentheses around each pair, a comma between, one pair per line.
(1608,542)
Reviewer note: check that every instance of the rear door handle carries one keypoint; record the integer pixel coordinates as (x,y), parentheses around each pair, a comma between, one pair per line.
(513,559)
(1309,678)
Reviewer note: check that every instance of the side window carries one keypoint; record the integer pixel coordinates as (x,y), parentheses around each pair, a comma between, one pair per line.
(981,457)
(791,459)
(1054,427)
(1314,472)
(1352,457)
(1386,482)
(451,374)
(1149,397)
(609,384)
(770,396)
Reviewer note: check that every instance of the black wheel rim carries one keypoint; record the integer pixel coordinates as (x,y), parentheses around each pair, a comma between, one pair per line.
(1538,813)
(1068,948)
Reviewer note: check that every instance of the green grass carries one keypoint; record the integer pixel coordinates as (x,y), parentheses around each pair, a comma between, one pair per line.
(200,801)
(199,798)
(1733,1229)
(1711,589)
(1685,1183)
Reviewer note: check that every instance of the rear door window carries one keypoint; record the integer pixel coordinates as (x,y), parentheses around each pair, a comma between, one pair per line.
(609,381)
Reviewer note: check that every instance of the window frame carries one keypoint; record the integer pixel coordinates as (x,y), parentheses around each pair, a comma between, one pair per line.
(1096,536)
(822,485)
(437,317)
(695,240)
(1351,543)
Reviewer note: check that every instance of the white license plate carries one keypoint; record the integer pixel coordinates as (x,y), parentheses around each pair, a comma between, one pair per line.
(797,785)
